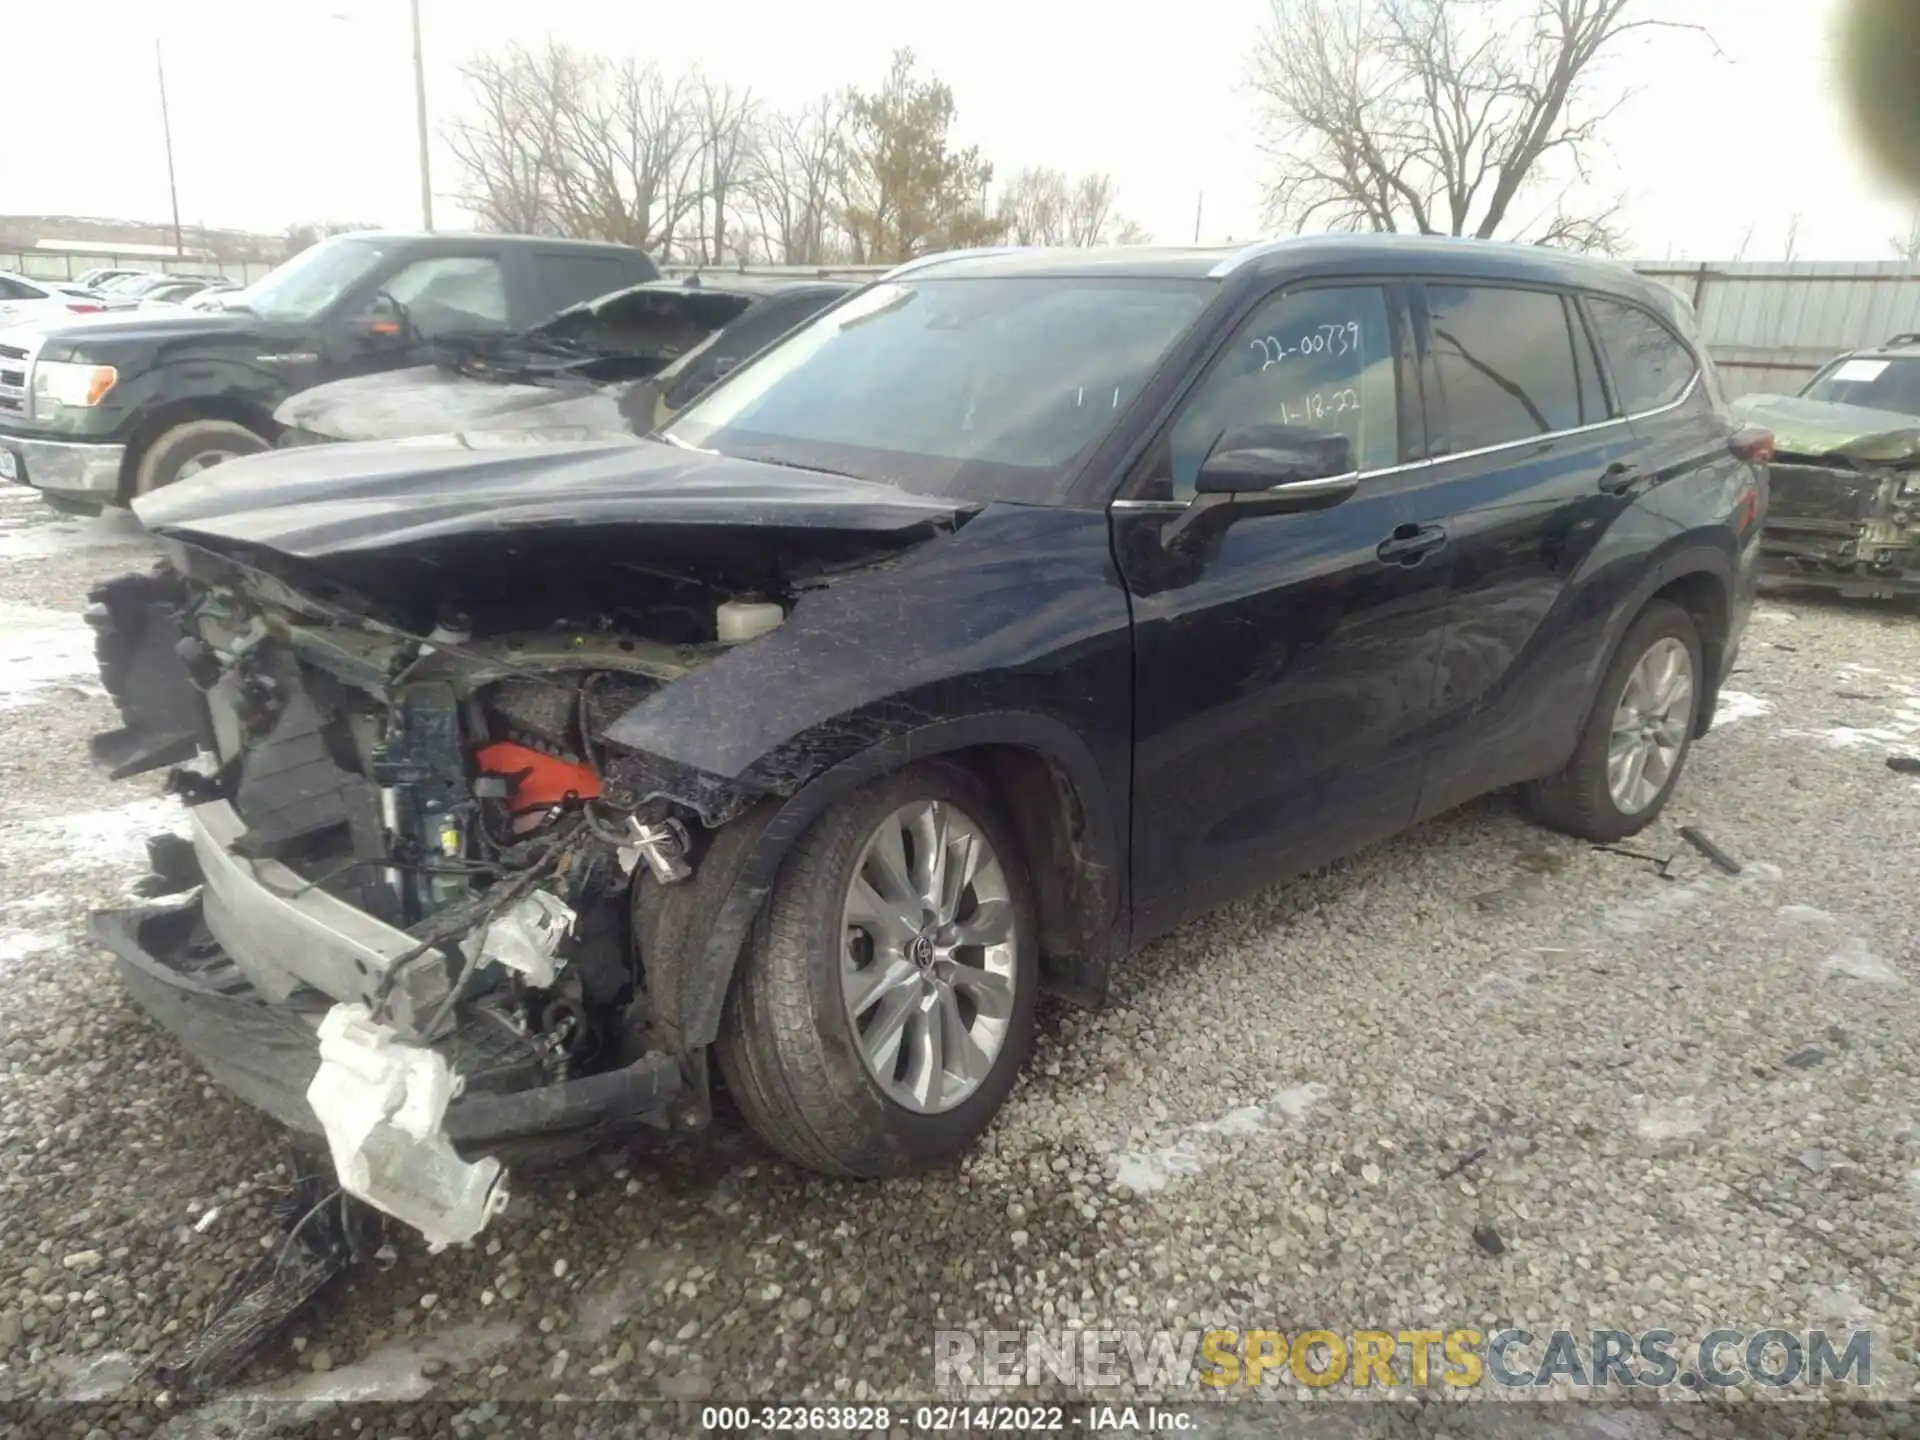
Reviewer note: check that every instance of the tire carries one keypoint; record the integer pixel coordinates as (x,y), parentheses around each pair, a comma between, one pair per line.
(1581,799)
(789,1049)
(188,448)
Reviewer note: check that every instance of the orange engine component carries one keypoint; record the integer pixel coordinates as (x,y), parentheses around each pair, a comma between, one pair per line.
(539,780)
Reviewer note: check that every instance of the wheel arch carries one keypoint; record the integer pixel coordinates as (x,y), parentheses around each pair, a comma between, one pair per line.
(1042,772)
(1699,579)
(236,409)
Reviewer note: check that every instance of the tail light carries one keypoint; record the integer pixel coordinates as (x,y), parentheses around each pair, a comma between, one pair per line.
(1753,445)
(85,307)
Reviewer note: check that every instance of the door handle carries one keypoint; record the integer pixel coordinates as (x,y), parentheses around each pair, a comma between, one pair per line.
(1409,544)
(1619,477)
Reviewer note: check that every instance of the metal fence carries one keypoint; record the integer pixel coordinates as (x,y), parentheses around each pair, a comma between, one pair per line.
(1770,325)
(64,265)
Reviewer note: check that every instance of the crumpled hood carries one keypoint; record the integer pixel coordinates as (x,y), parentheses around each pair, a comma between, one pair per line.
(427,400)
(1820,427)
(522,492)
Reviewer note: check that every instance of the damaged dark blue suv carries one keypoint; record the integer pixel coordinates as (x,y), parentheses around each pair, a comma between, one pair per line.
(1018,608)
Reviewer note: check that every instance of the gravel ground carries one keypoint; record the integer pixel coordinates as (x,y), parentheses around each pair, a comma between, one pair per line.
(1677,1098)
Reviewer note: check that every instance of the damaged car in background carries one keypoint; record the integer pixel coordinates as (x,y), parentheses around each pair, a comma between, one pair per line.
(1845,512)
(1002,618)
(621,364)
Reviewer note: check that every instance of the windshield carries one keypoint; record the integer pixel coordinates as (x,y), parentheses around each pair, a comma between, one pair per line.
(1876,384)
(312,280)
(976,389)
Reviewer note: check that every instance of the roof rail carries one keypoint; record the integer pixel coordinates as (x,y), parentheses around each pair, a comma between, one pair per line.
(1245,253)
(923,261)
(1906,337)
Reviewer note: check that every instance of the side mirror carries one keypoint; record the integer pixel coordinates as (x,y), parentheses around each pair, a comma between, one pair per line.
(1264,470)
(382,322)
(1274,457)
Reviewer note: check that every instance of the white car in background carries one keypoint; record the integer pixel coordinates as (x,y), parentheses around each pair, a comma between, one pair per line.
(23,300)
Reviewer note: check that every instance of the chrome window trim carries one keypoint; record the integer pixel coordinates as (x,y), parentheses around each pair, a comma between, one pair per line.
(1171,507)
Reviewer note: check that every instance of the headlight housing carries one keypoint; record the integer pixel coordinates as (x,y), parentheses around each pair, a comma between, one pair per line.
(65,383)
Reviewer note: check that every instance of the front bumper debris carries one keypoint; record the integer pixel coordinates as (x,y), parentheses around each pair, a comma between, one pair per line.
(269,1055)
(1852,527)
(381,1101)
(71,470)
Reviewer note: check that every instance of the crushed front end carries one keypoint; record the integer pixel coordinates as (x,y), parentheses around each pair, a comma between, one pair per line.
(411,874)
(457,897)
(1844,506)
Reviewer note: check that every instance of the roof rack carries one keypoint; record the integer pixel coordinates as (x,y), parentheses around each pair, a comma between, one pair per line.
(923,261)
(1245,253)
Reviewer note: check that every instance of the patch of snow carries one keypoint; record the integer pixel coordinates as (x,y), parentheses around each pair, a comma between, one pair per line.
(39,649)
(393,1372)
(1856,960)
(96,1377)
(111,529)
(1146,1172)
(1638,917)
(1671,1120)
(1805,915)
(1737,705)
(118,835)
(18,944)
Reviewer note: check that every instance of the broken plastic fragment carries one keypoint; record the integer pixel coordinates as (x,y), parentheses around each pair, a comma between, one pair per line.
(381,1101)
(526,937)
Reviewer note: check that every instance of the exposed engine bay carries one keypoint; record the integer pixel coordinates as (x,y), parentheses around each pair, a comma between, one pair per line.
(456,791)
(476,769)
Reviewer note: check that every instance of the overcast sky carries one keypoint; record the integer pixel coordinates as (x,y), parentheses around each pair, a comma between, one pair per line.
(287,110)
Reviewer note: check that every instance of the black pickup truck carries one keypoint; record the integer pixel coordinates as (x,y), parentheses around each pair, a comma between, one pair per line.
(99,410)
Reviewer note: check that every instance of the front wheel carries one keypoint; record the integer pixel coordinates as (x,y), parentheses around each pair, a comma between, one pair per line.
(1636,737)
(187,450)
(885,1001)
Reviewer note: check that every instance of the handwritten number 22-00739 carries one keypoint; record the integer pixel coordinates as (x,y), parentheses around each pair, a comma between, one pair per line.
(1321,340)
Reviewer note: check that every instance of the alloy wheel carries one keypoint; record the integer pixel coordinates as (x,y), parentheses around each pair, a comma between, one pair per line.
(927,963)
(1650,726)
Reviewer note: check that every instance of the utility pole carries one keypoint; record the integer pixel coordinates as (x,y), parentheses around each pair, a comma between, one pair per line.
(166,132)
(1199,201)
(420,121)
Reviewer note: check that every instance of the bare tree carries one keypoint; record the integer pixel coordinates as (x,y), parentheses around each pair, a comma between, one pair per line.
(1033,207)
(1090,210)
(725,136)
(794,175)
(507,148)
(1906,245)
(1439,116)
(1042,206)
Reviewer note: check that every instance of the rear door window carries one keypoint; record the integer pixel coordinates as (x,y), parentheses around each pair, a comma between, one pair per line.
(1505,363)
(1649,365)
(561,279)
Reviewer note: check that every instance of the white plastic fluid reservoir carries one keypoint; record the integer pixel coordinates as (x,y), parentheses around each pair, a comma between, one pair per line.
(738,620)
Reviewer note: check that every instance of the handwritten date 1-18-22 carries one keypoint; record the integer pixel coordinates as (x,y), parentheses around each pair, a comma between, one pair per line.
(1320,340)
(1318,405)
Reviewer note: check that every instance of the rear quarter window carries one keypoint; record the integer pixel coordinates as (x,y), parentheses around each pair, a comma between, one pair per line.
(1649,365)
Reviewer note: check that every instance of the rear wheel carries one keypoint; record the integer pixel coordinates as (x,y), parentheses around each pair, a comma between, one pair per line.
(885,1002)
(1636,738)
(187,450)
